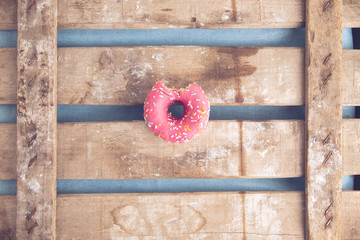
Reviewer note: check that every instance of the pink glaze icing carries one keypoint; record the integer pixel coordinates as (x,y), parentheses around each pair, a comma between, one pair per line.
(171,128)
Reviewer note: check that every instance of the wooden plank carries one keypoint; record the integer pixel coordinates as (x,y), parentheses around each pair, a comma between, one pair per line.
(350,218)
(323,103)
(182,216)
(133,71)
(99,151)
(36,119)
(227,149)
(351,10)
(8,151)
(8,14)
(181,14)
(220,215)
(351,77)
(8,68)
(7,217)
(143,14)
(229,76)
(351,146)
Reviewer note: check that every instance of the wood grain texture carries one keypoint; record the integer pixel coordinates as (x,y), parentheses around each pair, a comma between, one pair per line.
(182,216)
(226,149)
(8,151)
(231,215)
(351,10)
(36,119)
(351,77)
(351,146)
(180,14)
(323,70)
(8,14)
(230,76)
(144,14)
(7,217)
(100,151)
(350,218)
(8,76)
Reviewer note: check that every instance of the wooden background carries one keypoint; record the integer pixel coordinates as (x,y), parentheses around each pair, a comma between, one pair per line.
(127,150)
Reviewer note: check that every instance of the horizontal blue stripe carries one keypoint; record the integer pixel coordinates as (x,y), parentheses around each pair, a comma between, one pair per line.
(85,113)
(8,187)
(284,37)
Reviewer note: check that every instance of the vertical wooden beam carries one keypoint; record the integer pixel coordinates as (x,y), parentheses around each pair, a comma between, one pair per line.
(323,66)
(36,119)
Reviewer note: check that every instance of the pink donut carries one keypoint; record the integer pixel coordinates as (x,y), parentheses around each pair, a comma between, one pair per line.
(171,128)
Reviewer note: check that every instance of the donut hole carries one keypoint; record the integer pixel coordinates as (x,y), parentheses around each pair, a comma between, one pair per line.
(176,109)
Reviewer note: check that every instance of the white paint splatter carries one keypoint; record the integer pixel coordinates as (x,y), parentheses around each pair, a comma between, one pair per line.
(230,94)
(266,218)
(225,17)
(157,56)
(34,185)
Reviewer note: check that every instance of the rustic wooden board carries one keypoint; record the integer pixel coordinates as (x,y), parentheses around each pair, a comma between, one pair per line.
(226,149)
(144,14)
(323,73)
(36,119)
(351,10)
(8,151)
(8,75)
(123,76)
(350,217)
(218,215)
(7,217)
(351,146)
(351,77)
(8,14)
(100,151)
(182,216)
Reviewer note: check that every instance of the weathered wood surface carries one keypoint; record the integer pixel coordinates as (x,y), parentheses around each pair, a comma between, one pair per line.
(7,217)
(229,76)
(111,14)
(127,150)
(218,215)
(351,77)
(323,103)
(8,76)
(226,149)
(36,119)
(8,14)
(351,146)
(182,216)
(181,14)
(8,151)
